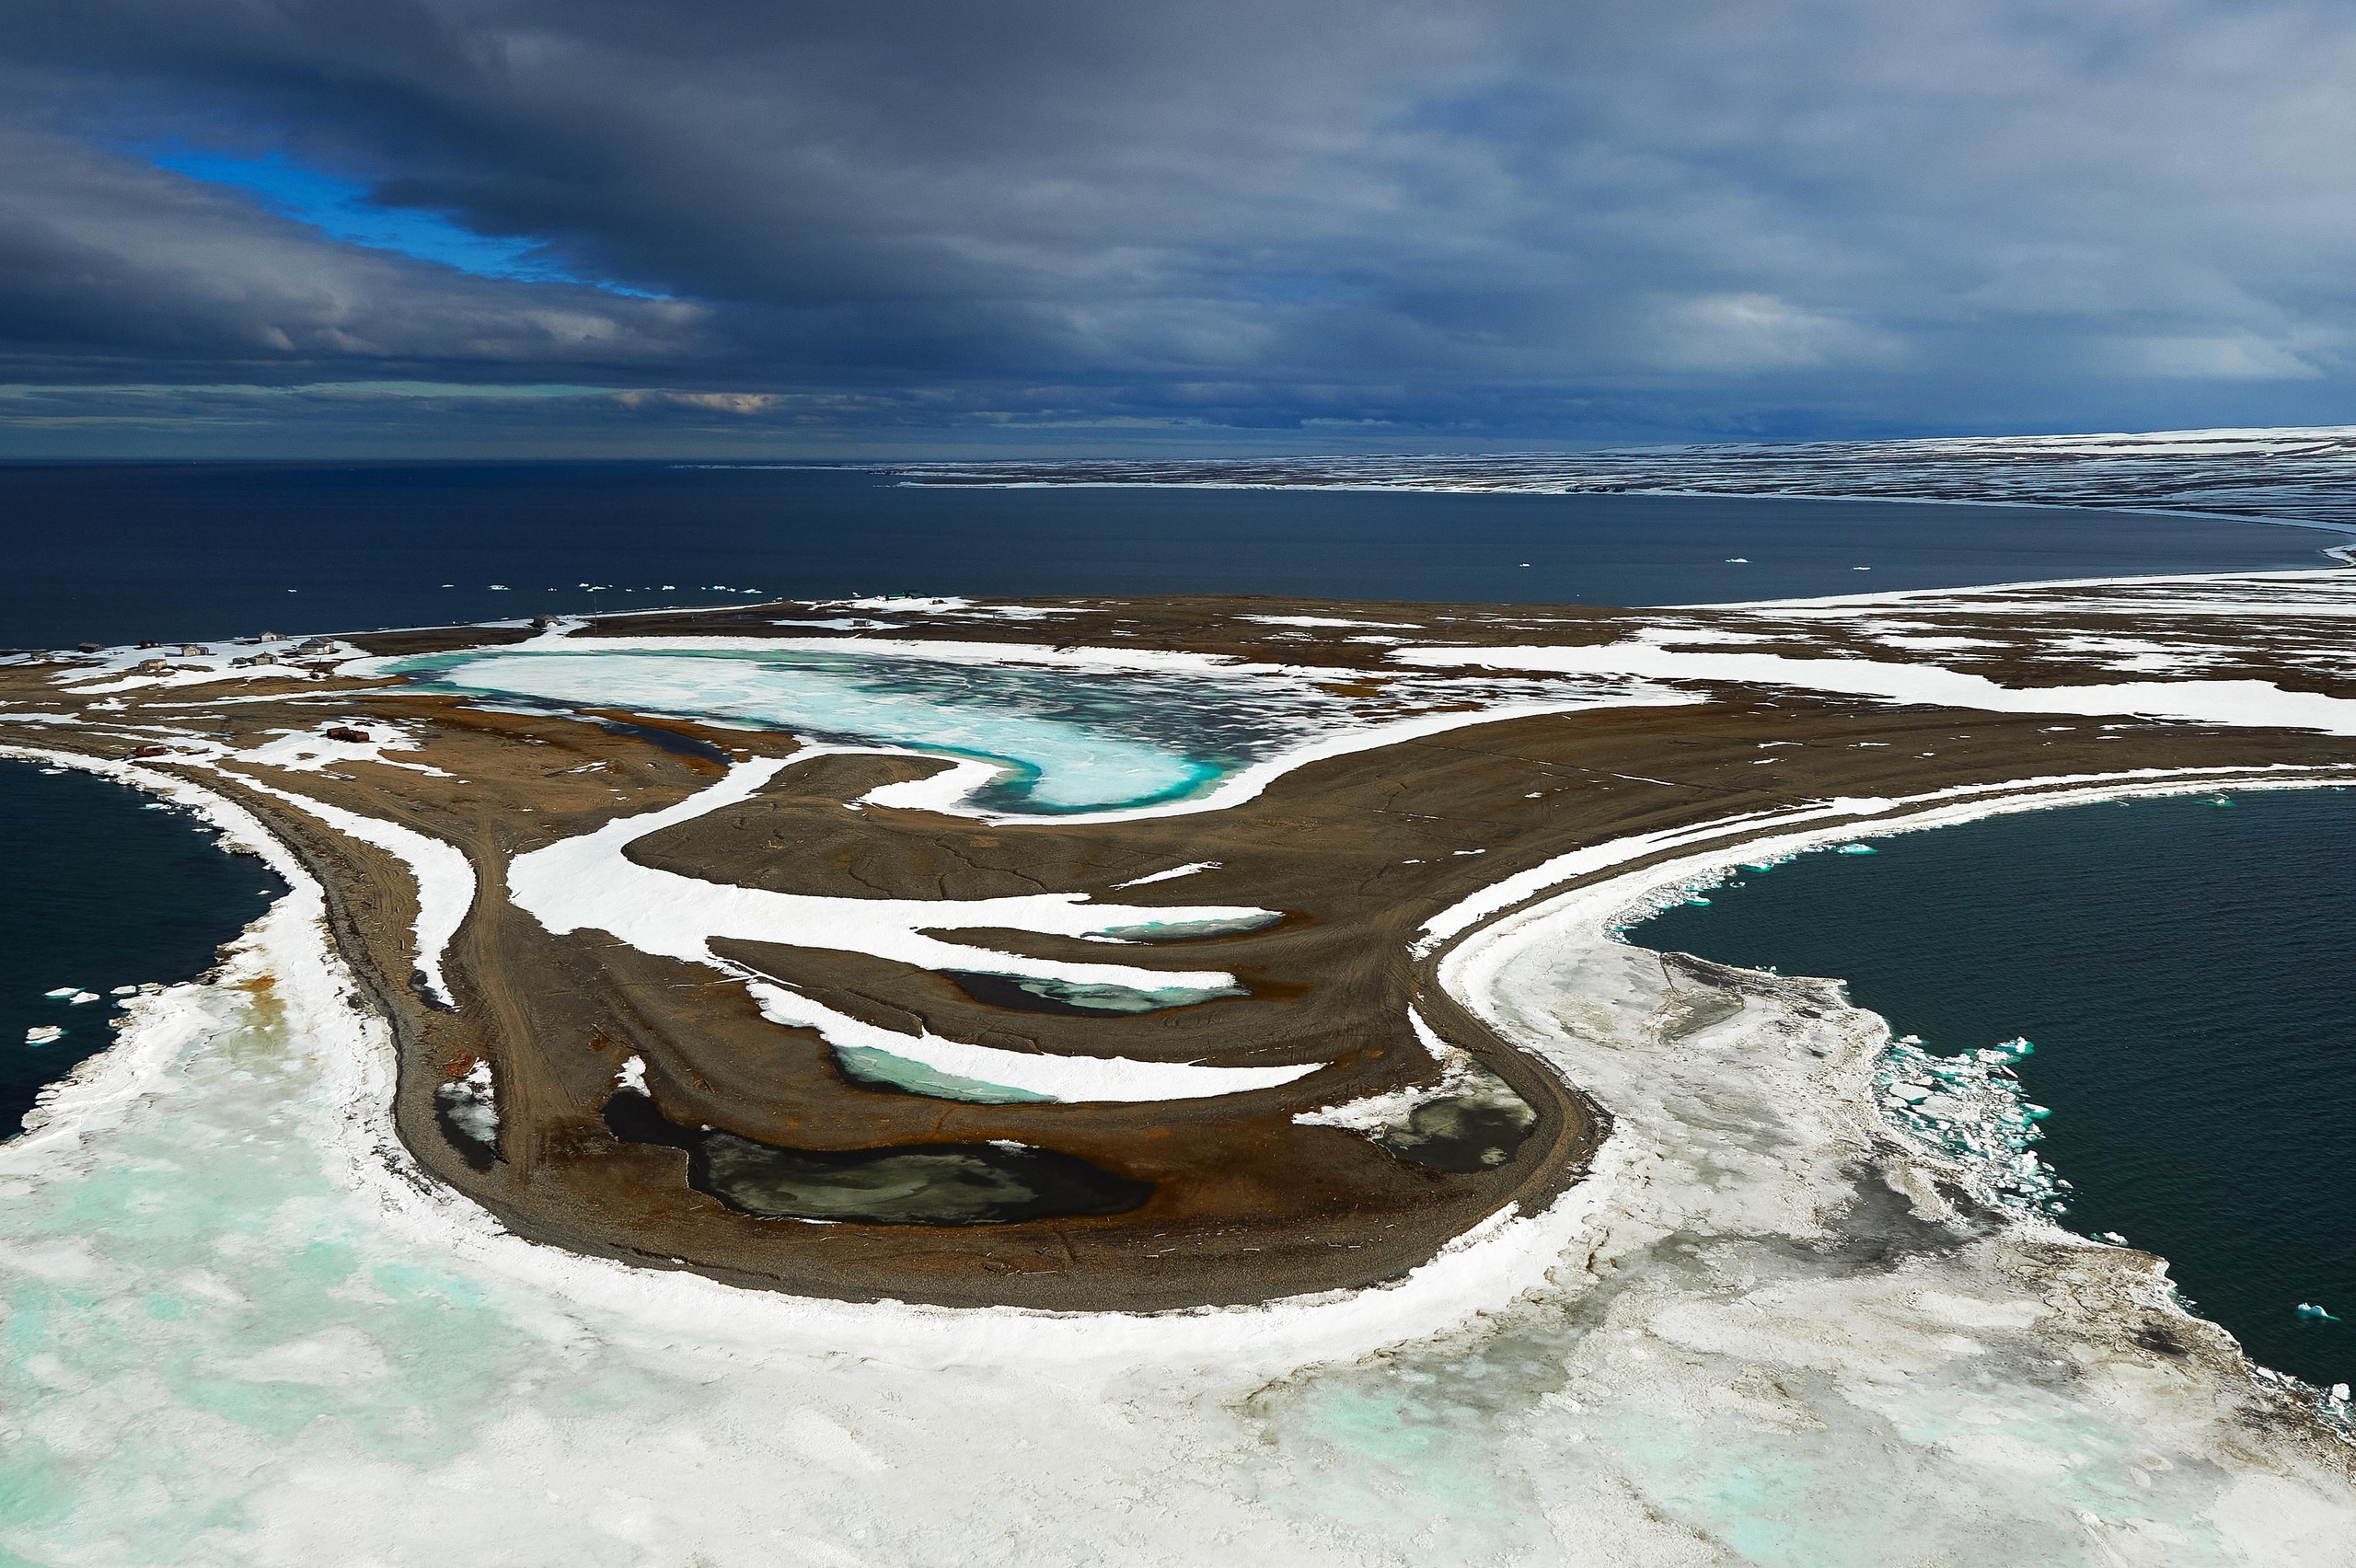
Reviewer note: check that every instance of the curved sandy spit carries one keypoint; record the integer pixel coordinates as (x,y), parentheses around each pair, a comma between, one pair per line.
(1718,1332)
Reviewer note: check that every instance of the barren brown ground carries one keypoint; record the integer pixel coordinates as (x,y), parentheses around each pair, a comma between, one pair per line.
(1358,852)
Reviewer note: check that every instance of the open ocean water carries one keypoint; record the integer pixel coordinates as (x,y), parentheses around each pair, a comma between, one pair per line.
(2186,971)
(105,889)
(2183,968)
(118,552)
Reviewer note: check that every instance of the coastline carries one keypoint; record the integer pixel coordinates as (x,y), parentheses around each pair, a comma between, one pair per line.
(1468,960)
(1624,772)
(2300,471)
(1679,1265)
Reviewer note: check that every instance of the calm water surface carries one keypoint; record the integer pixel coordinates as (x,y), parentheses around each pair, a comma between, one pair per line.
(119,552)
(102,891)
(2187,972)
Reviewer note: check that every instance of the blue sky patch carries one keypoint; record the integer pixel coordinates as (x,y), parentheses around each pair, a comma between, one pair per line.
(344,209)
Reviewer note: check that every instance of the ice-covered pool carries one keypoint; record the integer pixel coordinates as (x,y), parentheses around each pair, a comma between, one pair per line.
(1065,741)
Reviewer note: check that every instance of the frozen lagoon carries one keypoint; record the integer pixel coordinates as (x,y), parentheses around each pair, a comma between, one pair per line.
(1056,746)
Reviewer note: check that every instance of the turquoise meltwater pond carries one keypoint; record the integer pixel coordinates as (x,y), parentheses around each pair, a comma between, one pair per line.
(1066,741)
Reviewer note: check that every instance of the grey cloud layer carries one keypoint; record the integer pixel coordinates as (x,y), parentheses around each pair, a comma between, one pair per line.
(1490,219)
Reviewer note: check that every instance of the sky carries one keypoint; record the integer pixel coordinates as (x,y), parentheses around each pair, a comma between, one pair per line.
(524,228)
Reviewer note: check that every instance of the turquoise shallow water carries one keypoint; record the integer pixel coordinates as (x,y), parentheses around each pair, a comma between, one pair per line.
(2186,971)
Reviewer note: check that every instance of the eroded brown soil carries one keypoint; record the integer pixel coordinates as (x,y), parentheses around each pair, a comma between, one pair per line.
(1357,851)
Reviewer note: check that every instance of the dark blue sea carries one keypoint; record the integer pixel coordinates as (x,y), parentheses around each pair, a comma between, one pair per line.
(105,889)
(118,552)
(2185,971)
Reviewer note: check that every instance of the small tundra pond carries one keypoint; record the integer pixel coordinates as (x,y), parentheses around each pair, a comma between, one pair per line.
(2170,980)
(985,1184)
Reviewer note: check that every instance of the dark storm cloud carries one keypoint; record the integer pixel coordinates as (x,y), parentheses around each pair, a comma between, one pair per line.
(1327,224)
(106,263)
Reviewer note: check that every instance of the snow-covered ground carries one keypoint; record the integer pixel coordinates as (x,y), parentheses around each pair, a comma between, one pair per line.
(1735,1342)
(2251,703)
(244,1329)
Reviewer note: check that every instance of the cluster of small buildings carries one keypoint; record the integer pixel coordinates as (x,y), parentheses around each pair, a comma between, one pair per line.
(310,648)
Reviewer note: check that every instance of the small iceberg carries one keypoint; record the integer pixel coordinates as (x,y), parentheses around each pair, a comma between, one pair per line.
(2314,1314)
(1857,849)
(44,1034)
(62,992)
(80,999)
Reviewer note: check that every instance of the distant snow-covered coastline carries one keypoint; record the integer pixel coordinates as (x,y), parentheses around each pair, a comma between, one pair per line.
(2303,476)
